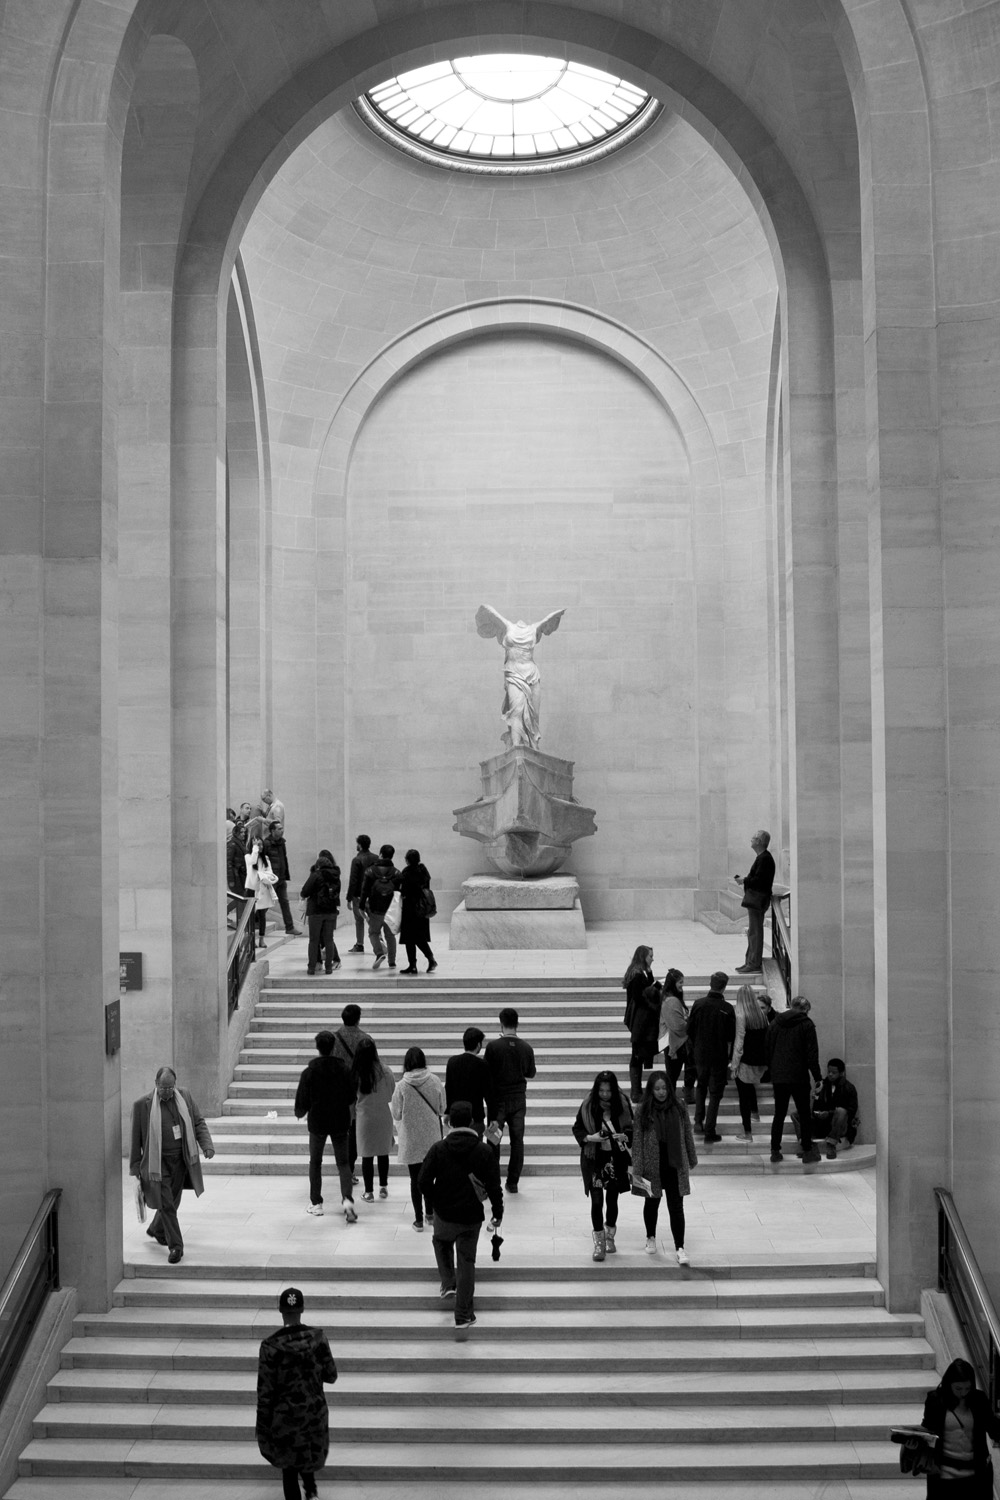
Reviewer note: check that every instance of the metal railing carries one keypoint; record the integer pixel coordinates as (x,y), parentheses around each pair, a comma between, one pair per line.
(959,1275)
(781,938)
(34,1274)
(242,945)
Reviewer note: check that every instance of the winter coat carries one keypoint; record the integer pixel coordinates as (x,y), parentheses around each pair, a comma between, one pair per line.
(321,892)
(673,1023)
(414,927)
(645,1026)
(139,1154)
(255,886)
(445,1177)
(635,987)
(293,1420)
(382,869)
(712,1030)
(277,852)
(467,1077)
(792,1049)
(236,869)
(325,1095)
(373,1119)
(646,1153)
(594,1155)
(418,1104)
(748,1072)
(359,864)
(984,1425)
(839,1095)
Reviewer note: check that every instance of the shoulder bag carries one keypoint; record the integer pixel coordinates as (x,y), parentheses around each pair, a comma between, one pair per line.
(430,1107)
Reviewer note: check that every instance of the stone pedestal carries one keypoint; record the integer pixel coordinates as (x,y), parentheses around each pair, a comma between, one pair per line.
(527,816)
(499,913)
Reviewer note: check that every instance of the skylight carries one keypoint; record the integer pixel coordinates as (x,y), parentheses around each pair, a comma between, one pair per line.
(507,112)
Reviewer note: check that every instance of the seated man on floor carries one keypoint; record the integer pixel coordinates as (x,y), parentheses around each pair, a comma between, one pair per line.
(834,1109)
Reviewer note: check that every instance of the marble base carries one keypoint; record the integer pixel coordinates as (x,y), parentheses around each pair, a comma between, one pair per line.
(517,929)
(496,893)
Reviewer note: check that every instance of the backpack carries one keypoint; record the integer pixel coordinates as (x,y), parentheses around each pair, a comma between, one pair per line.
(382,891)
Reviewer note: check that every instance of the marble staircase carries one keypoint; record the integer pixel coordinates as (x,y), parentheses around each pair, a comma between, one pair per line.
(724,1376)
(574,1025)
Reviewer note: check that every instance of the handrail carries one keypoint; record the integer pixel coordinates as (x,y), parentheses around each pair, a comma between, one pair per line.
(21,1304)
(242,948)
(959,1275)
(246,915)
(781,938)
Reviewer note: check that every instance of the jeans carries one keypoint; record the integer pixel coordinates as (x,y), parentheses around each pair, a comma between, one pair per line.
(598,1216)
(711,1081)
(510,1112)
(368,1172)
(416,1198)
(359,922)
(316,1145)
(376,931)
(831,1124)
(451,1240)
(675,1204)
(321,930)
(755,938)
(281,891)
(164,1225)
(799,1093)
(747,1094)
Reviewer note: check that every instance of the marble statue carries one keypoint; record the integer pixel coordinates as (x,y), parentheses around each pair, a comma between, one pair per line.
(522,679)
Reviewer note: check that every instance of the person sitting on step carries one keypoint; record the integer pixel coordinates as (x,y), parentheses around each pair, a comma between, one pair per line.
(834,1109)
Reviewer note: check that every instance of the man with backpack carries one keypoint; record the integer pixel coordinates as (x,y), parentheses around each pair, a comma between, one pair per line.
(326,1095)
(359,866)
(378,888)
(321,893)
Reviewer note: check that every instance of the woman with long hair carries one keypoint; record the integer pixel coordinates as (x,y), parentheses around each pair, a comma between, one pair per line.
(637,979)
(260,882)
(663,1155)
(375,1085)
(959,1415)
(749,1054)
(677,1056)
(418,1104)
(414,919)
(603,1130)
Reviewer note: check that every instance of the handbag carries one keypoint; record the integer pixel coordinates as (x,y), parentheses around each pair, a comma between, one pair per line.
(426,905)
(394,914)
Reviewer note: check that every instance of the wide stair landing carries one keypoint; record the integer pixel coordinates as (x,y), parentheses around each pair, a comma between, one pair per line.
(574,1025)
(740,1379)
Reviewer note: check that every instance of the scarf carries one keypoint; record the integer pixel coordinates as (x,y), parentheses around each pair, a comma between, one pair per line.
(155,1157)
(666,1123)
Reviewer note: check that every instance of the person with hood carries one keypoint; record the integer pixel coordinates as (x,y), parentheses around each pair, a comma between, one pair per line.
(960,1418)
(355,880)
(293,1421)
(277,853)
(326,1095)
(711,1034)
(663,1154)
(418,1105)
(321,893)
(792,1054)
(458,1174)
(603,1131)
(415,917)
(380,884)
(167,1130)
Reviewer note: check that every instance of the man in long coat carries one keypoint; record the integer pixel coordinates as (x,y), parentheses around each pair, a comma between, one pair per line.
(293,1423)
(167,1130)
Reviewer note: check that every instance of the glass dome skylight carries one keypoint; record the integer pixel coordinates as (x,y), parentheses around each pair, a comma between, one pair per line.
(507,112)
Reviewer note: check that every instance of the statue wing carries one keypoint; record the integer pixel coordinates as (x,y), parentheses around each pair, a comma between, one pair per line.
(549,624)
(489,623)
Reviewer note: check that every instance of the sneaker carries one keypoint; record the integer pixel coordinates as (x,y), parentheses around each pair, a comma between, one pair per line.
(755,1117)
(682,1256)
(379,961)
(358,948)
(776,1156)
(355,1179)
(293,932)
(462,1328)
(383,1192)
(392,966)
(350,1212)
(651,1247)
(745,1135)
(831,1152)
(418,1225)
(810,1156)
(446,1292)
(334,968)
(261,943)
(368,1197)
(315,1208)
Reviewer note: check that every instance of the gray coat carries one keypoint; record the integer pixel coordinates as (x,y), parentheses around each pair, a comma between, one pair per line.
(373,1118)
(646,1154)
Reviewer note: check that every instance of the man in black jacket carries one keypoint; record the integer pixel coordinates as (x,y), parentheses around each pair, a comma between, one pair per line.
(468,1077)
(359,866)
(757,887)
(377,890)
(274,848)
(325,1095)
(458,1173)
(834,1109)
(511,1062)
(321,893)
(792,1054)
(711,1034)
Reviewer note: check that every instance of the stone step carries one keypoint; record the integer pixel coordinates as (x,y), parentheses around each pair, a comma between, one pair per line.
(498,1356)
(549,1104)
(738,1157)
(349,979)
(279,1037)
(602,1462)
(575,1423)
(795,1266)
(659,1488)
(232,1387)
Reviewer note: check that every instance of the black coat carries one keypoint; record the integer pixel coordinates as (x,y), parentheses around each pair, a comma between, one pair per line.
(325,1094)
(381,869)
(985,1425)
(792,1049)
(359,865)
(712,1030)
(645,1026)
(321,892)
(277,853)
(633,991)
(468,1077)
(761,880)
(414,927)
(594,1155)
(236,867)
(445,1177)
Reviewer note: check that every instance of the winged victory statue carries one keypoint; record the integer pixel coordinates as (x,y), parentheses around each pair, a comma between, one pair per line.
(522,679)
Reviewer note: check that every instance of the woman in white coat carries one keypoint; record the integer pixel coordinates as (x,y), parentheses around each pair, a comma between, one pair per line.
(418,1104)
(260,882)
